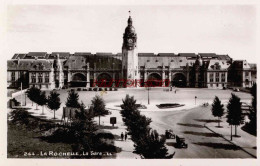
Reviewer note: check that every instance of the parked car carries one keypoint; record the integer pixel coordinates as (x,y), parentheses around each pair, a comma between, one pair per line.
(169,134)
(180,142)
(236,89)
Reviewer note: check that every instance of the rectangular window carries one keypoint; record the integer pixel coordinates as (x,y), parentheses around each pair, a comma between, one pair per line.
(47,79)
(40,77)
(217,85)
(223,79)
(211,80)
(217,74)
(13,76)
(217,79)
(33,77)
(247,73)
(33,80)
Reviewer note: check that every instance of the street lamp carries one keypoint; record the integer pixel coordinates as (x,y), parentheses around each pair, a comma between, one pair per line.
(195,99)
(148,88)
(21,93)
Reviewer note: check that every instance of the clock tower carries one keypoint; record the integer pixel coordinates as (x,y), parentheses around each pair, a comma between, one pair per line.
(130,55)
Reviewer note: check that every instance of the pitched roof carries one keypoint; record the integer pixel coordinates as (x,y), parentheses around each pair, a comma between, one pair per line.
(215,62)
(146,54)
(33,55)
(25,64)
(18,56)
(76,62)
(252,65)
(187,55)
(166,54)
(62,55)
(82,53)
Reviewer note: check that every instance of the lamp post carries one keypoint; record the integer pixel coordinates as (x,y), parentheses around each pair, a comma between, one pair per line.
(195,99)
(148,88)
(21,94)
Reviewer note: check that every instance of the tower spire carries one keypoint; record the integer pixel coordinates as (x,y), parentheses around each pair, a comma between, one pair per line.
(130,22)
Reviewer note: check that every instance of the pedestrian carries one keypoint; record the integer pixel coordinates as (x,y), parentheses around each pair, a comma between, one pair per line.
(122,136)
(175,91)
(125,136)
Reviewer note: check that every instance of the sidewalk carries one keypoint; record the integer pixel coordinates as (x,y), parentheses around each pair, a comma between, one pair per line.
(246,141)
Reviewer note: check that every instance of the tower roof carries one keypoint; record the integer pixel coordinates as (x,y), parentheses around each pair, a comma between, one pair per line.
(130,28)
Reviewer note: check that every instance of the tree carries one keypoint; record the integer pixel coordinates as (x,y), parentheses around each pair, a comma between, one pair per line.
(33,94)
(99,107)
(253,111)
(83,129)
(217,109)
(234,112)
(42,100)
(73,100)
(138,126)
(53,101)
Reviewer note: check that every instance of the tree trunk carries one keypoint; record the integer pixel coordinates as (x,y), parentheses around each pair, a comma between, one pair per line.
(43,109)
(231,133)
(32,102)
(36,106)
(99,120)
(54,114)
(218,121)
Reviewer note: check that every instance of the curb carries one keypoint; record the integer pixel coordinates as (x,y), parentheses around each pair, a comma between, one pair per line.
(230,141)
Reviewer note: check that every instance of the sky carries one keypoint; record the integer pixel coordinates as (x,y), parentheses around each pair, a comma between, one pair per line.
(221,29)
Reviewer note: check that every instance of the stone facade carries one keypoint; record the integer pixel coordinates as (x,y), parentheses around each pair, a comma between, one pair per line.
(84,69)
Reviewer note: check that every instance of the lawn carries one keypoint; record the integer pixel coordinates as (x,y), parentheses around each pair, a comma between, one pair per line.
(22,142)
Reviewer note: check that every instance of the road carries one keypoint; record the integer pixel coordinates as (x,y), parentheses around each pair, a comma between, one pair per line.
(201,142)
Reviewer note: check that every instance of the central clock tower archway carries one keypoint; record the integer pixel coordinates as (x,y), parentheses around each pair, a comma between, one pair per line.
(130,54)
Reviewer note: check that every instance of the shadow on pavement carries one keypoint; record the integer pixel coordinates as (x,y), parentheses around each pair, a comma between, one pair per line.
(40,116)
(201,134)
(190,125)
(207,120)
(174,144)
(218,145)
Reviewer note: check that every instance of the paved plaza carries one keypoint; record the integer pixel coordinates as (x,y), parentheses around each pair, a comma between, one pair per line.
(189,120)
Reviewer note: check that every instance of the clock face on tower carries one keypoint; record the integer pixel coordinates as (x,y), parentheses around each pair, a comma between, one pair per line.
(130,40)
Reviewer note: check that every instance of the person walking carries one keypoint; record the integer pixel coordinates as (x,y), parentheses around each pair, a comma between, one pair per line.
(122,136)
(125,136)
